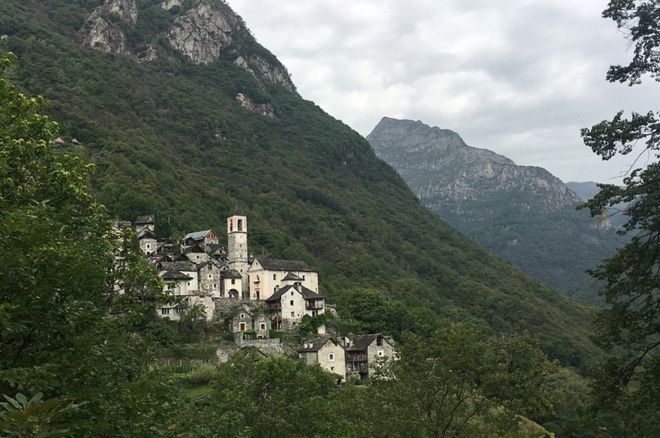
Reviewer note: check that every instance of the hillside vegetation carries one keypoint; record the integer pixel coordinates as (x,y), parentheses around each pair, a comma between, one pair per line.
(169,137)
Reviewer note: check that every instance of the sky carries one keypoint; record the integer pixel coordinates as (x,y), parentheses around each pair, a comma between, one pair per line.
(519,77)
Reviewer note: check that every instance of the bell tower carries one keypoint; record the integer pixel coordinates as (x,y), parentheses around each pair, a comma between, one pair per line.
(237,251)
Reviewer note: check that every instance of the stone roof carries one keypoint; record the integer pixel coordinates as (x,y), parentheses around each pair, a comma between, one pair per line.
(145,220)
(314,345)
(292,277)
(175,275)
(178,266)
(146,234)
(361,342)
(231,274)
(271,264)
(193,248)
(197,235)
(307,294)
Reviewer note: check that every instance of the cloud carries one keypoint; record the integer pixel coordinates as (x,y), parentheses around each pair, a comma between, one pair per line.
(519,77)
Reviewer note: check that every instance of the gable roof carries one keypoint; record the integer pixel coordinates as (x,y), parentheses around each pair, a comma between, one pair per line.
(178,266)
(197,235)
(271,264)
(307,294)
(361,342)
(145,220)
(231,274)
(194,249)
(314,345)
(146,234)
(291,277)
(175,275)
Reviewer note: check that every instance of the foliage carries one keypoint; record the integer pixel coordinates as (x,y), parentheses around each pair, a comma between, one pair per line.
(626,384)
(35,417)
(63,333)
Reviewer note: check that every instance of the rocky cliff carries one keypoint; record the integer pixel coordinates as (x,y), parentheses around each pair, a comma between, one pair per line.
(522,213)
(199,31)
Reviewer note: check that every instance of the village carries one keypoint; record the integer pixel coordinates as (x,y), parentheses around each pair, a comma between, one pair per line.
(256,298)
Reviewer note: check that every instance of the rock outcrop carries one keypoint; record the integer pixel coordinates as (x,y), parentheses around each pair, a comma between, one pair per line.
(104,26)
(265,109)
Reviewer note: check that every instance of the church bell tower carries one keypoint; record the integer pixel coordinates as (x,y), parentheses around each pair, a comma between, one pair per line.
(237,251)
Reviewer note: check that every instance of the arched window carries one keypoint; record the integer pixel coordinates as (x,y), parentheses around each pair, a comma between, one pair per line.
(240,225)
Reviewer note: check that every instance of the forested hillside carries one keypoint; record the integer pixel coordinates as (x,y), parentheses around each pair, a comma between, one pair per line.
(524,214)
(169,136)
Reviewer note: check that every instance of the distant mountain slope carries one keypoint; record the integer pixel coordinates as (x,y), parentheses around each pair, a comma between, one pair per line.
(186,116)
(522,213)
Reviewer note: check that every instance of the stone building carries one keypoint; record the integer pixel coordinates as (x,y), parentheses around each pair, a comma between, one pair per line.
(232,285)
(147,242)
(326,352)
(363,354)
(291,303)
(246,319)
(267,275)
(143,223)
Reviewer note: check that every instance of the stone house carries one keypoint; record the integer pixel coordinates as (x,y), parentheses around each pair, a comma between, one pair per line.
(143,223)
(266,275)
(205,237)
(196,254)
(210,278)
(147,242)
(232,285)
(290,303)
(326,352)
(244,319)
(364,352)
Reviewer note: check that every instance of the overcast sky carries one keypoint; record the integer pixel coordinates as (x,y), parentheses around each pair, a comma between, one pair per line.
(519,77)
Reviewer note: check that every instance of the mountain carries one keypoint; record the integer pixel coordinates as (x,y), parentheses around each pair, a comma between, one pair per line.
(522,213)
(186,116)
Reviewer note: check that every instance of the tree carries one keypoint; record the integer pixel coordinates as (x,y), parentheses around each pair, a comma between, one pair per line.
(460,383)
(630,326)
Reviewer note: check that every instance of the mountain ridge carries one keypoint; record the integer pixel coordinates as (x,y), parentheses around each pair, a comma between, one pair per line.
(522,213)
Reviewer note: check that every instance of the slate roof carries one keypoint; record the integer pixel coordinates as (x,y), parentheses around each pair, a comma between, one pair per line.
(314,345)
(307,294)
(145,220)
(271,264)
(193,248)
(291,277)
(231,274)
(175,275)
(146,234)
(178,266)
(361,342)
(197,235)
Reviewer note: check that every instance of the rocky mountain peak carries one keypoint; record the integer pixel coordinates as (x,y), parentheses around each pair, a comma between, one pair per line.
(437,164)
(202,31)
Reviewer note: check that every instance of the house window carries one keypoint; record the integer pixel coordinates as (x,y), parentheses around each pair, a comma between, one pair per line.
(274,276)
(291,303)
(241,326)
(262,326)
(303,278)
(331,357)
(210,276)
(293,314)
(291,293)
(381,353)
(188,283)
(233,281)
(148,245)
(379,341)
(164,311)
(242,315)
